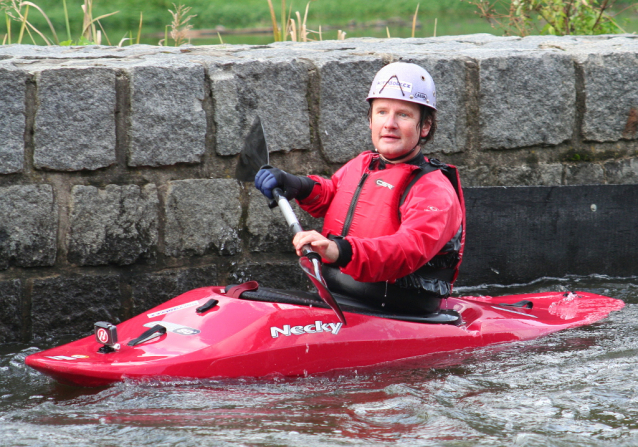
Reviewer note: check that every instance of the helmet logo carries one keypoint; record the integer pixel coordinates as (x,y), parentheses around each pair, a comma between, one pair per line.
(395,84)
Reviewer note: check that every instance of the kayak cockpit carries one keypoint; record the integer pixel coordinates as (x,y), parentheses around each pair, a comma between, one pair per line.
(298,297)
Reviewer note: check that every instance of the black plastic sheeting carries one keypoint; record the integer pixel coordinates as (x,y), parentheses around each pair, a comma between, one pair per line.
(518,234)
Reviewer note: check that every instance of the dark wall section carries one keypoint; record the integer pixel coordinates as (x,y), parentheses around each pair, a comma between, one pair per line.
(517,234)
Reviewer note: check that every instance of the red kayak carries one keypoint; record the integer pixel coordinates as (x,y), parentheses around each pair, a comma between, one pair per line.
(205,333)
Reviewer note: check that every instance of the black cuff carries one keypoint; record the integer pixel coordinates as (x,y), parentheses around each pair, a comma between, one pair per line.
(345,251)
(307,185)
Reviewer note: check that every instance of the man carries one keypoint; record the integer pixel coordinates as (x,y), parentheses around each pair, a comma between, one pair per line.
(394,221)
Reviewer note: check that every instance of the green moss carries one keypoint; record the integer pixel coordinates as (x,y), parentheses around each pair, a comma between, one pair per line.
(576,156)
(589,155)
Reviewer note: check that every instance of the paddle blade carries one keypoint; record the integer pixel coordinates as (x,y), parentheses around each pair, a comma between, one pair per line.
(254,154)
(313,272)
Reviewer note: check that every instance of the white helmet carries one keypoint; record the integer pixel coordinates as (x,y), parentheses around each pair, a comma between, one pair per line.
(404,81)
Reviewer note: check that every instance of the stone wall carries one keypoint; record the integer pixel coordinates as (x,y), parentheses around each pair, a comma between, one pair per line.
(117,164)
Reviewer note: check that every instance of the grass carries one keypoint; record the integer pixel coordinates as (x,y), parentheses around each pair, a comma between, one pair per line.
(452,17)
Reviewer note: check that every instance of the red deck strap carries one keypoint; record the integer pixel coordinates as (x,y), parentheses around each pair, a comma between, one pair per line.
(236,291)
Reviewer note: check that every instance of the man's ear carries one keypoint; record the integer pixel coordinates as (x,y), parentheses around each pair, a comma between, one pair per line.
(425,128)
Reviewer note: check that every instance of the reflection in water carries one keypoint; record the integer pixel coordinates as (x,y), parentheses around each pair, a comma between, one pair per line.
(577,387)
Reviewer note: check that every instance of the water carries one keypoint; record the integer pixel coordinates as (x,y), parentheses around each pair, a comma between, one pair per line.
(577,387)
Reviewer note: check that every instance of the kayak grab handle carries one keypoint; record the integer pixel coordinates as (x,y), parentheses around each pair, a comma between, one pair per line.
(525,304)
(208,306)
(153,332)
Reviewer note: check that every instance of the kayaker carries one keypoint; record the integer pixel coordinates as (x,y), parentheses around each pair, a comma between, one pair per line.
(394,220)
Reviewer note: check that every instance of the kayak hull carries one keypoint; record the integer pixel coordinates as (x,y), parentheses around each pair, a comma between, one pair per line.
(241,338)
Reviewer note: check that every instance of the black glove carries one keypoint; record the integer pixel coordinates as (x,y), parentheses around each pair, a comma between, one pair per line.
(269,178)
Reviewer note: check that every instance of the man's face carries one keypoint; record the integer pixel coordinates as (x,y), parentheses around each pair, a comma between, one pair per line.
(394,125)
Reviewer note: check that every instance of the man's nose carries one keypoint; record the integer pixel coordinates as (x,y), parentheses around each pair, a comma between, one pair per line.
(390,121)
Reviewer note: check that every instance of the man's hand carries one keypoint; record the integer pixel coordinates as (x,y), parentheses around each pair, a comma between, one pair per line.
(326,248)
(269,178)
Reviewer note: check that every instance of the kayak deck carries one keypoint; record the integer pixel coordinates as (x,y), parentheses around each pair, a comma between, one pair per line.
(238,337)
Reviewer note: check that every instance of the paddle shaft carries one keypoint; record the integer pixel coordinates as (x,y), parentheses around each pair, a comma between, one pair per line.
(314,269)
(289,215)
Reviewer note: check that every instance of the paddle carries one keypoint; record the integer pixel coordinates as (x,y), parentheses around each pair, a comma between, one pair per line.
(253,156)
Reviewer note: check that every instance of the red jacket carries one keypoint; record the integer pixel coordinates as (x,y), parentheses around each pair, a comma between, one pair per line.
(388,240)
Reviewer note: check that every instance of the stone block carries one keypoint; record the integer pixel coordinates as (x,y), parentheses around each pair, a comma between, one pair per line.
(526,99)
(168,121)
(611,96)
(28,226)
(550,174)
(117,224)
(75,119)
(70,305)
(268,229)
(12,120)
(528,43)
(278,275)
(275,90)
(622,172)
(535,175)
(153,289)
(584,174)
(11,320)
(476,177)
(202,216)
(343,122)
(69,54)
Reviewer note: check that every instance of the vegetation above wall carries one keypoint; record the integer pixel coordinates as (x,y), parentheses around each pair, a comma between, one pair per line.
(215,21)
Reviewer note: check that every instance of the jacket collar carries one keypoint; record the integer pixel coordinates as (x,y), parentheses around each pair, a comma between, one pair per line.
(378,162)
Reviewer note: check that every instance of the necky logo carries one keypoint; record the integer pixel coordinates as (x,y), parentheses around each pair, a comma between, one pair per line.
(384,184)
(318,326)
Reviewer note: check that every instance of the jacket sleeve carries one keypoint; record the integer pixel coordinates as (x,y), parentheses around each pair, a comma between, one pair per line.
(319,199)
(431,216)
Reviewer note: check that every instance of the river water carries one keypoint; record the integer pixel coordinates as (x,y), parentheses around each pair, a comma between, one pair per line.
(577,387)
